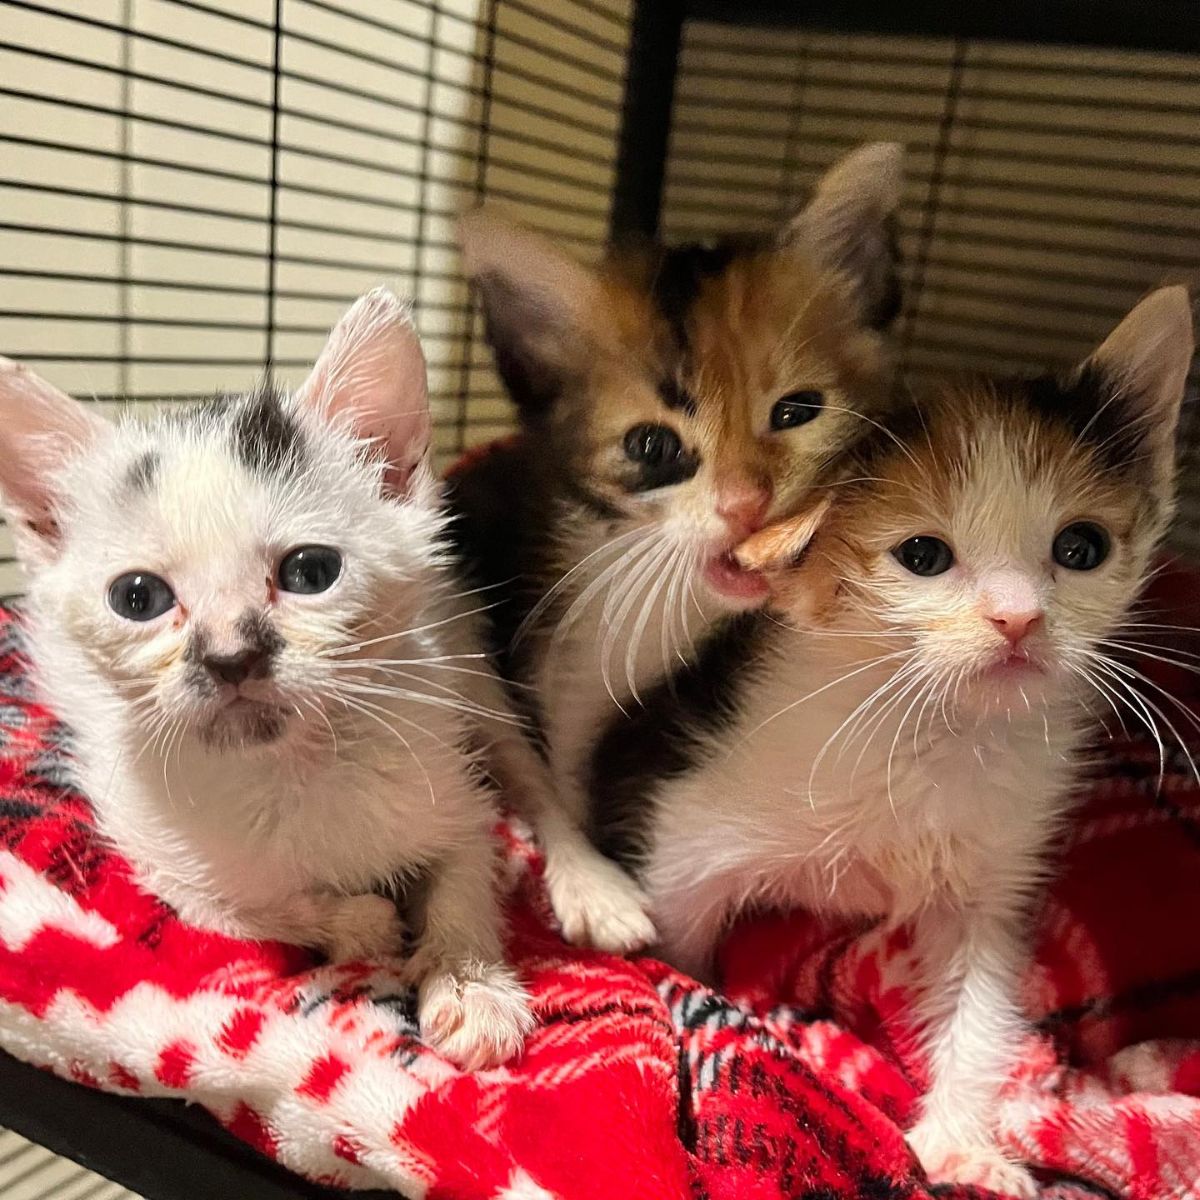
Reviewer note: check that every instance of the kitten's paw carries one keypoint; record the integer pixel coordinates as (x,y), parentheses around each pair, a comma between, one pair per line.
(983,1166)
(358,927)
(475,1022)
(599,905)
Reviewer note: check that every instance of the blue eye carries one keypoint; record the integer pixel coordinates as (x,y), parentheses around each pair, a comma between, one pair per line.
(140,596)
(924,556)
(308,570)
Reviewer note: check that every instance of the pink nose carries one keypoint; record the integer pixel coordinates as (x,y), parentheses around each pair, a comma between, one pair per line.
(743,505)
(1015,625)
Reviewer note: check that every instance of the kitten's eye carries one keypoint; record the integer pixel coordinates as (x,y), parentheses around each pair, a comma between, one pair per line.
(796,408)
(653,445)
(924,556)
(140,596)
(310,569)
(1081,546)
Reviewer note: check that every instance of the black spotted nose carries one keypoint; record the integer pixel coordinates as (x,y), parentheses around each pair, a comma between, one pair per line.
(251,663)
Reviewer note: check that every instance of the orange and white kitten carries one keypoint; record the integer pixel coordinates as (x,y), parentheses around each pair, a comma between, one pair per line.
(905,743)
(672,401)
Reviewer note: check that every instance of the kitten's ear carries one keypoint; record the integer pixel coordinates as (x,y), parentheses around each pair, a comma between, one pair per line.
(540,306)
(1146,360)
(781,544)
(849,224)
(40,428)
(371,375)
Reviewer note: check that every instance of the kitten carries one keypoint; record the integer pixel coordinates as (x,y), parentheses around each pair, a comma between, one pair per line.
(246,615)
(671,401)
(907,749)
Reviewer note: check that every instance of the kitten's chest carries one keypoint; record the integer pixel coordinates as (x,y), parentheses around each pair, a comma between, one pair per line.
(798,811)
(267,828)
(599,661)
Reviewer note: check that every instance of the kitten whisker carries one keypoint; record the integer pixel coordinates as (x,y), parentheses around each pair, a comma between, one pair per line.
(1120,675)
(361,706)
(896,678)
(925,690)
(342,651)
(865,665)
(418,697)
(546,600)
(657,575)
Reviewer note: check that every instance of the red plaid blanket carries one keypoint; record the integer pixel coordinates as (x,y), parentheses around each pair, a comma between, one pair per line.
(638,1083)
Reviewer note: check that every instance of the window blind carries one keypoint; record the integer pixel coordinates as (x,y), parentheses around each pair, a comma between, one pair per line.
(1048,187)
(191,188)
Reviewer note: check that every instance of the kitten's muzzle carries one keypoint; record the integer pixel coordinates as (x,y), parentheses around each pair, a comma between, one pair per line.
(252,663)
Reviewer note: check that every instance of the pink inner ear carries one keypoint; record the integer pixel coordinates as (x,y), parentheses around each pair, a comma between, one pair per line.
(40,428)
(371,374)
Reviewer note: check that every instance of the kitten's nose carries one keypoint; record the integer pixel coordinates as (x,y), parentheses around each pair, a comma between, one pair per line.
(237,668)
(743,505)
(1015,625)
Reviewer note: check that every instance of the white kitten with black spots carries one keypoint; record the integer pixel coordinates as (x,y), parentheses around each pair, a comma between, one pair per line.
(909,747)
(246,616)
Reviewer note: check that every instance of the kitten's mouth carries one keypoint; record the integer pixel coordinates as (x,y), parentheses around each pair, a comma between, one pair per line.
(244,722)
(1016,665)
(727,577)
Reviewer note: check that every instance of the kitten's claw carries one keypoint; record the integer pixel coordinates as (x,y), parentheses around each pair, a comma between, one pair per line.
(983,1166)
(475,1022)
(601,906)
(359,927)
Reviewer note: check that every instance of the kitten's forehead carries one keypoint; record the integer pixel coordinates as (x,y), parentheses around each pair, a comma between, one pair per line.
(995,462)
(259,432)
(735,316)
(264,432)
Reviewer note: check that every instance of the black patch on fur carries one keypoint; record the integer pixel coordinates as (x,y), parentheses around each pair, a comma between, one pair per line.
(265,436)
(674,395)
(663,739)
(681,271)
(141,475)
(196,649)
(651,477)
(1092,406)
(256,633)
(259,634)
(501,527)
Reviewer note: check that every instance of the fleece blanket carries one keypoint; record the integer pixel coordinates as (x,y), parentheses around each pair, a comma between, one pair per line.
(796,1081)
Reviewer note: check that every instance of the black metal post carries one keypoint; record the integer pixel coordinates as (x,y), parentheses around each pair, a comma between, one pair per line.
(646,116)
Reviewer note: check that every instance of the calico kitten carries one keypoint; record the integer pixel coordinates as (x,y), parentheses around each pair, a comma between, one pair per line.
(908,747)
(672,400)
(246,616)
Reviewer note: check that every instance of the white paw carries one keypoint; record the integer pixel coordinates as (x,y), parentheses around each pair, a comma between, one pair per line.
(475,1022)
(599,905)
(984,1166)
(359,927)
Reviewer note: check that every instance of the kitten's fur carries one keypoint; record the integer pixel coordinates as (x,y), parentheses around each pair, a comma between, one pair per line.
(271,808)
(877,759)
(616,571)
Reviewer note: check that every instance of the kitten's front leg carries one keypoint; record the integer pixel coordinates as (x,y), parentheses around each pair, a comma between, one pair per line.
(971,962)
(344,928)
(596,902)
(470,1005)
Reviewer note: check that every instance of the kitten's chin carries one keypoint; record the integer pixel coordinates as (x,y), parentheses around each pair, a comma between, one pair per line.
(1013,685)
(243,724)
